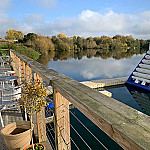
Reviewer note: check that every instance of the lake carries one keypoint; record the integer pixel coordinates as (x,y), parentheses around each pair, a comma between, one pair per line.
(91,65)
(87,69)
(83,68)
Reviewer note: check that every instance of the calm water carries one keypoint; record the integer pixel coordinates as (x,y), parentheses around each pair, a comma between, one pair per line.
(95,68)
(85,67)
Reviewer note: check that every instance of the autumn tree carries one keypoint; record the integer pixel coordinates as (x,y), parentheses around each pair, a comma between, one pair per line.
(14,35)
(44,44)
(61,35)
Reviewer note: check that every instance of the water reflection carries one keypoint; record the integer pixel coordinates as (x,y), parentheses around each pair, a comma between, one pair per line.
(93,64)
(44,59)
(123,95)
(142,98)
(89,53)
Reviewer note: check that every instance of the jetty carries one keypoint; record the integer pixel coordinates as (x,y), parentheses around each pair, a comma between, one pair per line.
(105,82)
(128,127)
(101,84)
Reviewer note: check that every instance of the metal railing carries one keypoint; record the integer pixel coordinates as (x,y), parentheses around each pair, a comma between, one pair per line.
(125,125)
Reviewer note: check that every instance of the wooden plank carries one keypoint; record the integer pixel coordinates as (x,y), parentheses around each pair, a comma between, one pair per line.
(49,119)
(105,82)
(107,93)
(47,145)
(43,71)
(128,127)
(62,122)
(4,49)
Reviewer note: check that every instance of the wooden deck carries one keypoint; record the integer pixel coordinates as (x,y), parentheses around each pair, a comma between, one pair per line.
(101,84)
(10,116)
(125,125)
(94,84)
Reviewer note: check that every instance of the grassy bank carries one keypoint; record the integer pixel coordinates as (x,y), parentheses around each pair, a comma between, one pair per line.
(29,52)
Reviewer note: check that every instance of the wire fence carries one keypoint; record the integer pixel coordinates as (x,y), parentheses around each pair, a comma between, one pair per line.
(75,135)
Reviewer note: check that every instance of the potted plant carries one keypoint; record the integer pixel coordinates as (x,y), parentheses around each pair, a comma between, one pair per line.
(33,98)
(17,135)
(37,146)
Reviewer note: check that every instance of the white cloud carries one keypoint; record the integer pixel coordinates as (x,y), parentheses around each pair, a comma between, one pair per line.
(90,23)
(49,4)
(87,23)
(5,4)
(26,28)
(34,18)
(96,22)
(6,23)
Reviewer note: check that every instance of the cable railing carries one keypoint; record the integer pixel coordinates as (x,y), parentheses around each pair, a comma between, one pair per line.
(51,132)
(126,126)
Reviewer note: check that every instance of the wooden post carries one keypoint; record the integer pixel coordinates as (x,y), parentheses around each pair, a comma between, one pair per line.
(19,70)
(22,71)
(41,126)
(62,122)
(17,65)
(13,60)
(28,73)
(39,121)
(37,77)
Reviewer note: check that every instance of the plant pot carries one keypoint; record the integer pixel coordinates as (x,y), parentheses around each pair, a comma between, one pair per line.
(26,148)
(17,135)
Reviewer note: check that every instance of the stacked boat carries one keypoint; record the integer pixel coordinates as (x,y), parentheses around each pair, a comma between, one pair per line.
(140,77)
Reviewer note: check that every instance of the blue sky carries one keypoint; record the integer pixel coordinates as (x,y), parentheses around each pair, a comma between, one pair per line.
(76,17)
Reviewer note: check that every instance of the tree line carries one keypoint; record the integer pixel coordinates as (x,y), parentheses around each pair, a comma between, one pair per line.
(45,44)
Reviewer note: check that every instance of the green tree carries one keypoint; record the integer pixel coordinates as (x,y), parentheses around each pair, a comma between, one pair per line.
(29,38)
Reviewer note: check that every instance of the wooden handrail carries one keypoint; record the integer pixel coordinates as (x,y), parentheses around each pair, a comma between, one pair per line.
(125,125)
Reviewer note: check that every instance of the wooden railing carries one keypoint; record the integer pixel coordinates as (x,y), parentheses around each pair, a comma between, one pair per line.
(125,125)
